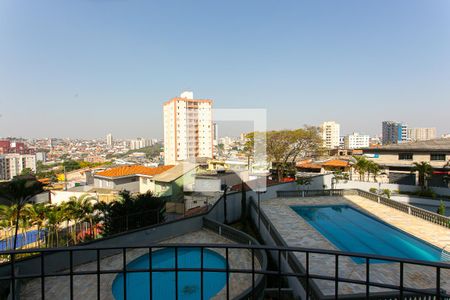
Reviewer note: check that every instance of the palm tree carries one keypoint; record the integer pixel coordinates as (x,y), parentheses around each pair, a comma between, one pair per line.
(7,219)
(425,171)
(374,169)
(54,220)
(361,166)
(37,216)
(19,191)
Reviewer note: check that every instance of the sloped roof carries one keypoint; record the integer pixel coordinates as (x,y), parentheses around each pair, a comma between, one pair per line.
(175,172)
(133,170)
(336,163)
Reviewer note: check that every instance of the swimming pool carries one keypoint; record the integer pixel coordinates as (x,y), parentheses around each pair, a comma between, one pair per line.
(354,231)
(163,283)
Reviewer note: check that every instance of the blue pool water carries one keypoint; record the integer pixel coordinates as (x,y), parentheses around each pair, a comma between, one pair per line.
(163,283)
(351,230)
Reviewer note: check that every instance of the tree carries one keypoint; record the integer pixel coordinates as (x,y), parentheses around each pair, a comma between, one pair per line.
(71,165)
(361,166)
(303,181)
(19,192)
(129,212)
(424,171)
(285,147)
(36,213)
(441,208)
(26,172)
(374,169)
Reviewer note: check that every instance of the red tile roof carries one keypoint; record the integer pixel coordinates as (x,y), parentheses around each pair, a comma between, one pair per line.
(133,170)
(336,163)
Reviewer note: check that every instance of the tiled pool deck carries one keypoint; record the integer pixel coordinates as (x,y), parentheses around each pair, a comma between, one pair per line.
(297,232)
(85,287)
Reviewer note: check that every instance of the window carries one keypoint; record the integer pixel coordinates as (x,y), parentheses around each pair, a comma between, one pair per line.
(405,156)
(437,156)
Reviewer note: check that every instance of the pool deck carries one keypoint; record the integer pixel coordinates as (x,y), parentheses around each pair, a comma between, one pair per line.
(85,287)
(297,232)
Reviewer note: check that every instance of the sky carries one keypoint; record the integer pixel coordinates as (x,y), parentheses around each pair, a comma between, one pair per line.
(89,67)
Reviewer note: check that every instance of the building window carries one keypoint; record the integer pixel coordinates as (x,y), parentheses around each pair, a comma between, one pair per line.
(437,156)
(405,156)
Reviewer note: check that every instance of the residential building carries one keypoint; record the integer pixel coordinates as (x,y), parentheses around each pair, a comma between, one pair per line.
(41,156)
(398,159)
(135,178)
(422,134)
(330,134)
(356,141)
(109,140)
(188,129)
(394,132)
(12,164)
(140,143)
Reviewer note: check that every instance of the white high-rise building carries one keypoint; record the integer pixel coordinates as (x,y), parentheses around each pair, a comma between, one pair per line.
(140,143)
(188,128)
(356,141)
(109,140)
(13,164)
(421,134)
(330,134)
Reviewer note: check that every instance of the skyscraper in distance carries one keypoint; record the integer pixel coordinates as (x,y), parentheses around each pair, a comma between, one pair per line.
(394,132)
(188,128)
(109,140)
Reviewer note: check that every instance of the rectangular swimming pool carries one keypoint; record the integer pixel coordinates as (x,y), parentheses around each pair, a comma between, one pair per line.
(352,230)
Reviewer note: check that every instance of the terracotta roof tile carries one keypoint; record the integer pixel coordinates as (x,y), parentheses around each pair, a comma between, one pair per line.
(133,170)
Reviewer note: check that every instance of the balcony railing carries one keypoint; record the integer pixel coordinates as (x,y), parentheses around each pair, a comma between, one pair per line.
(285,258)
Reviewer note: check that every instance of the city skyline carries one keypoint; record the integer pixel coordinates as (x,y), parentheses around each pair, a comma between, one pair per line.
(77,70)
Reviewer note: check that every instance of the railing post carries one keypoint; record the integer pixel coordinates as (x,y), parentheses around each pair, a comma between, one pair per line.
(378,199)
(409,210)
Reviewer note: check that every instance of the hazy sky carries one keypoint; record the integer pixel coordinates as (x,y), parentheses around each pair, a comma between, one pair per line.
(88,67)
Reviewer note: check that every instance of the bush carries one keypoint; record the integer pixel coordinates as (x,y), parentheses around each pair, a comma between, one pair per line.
(373,190)
(426,193)
(441,208)
(387,193)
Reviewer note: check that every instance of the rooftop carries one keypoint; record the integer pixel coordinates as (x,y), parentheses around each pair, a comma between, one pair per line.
(133,170)
(430,145)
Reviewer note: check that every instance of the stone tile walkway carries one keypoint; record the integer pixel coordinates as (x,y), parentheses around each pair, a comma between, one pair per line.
(297,232)
(85,287)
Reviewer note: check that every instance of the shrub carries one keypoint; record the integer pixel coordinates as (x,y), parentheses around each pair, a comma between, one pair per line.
(387,193)
(441,208)
(373,190)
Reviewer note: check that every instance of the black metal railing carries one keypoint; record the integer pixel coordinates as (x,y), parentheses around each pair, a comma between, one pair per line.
(68,261)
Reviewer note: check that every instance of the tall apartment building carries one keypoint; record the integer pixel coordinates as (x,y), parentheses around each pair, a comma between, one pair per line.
(13,164)
(109,140)
(140,143)
(330,134)
(394,132)
(422,134)
(188,128)
(356,141)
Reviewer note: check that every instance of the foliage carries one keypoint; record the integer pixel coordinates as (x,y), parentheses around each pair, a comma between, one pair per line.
(130,212)
(425,171)
(19,192)
(387,193)
(364,166)
(71,165)
(285,147)
(26,172)
(373,190)
(303,180)
(441,208)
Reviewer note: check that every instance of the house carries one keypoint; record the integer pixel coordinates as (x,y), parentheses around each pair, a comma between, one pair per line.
(398,159)
(134,178)
(174,181)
